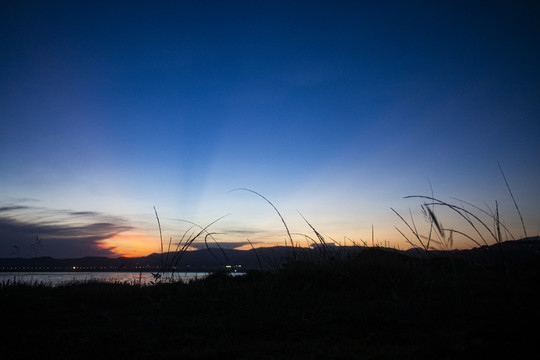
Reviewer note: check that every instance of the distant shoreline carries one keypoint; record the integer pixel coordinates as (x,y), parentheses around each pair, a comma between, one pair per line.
(203,260)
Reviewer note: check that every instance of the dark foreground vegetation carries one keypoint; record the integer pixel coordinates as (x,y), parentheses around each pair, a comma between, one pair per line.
(374,305)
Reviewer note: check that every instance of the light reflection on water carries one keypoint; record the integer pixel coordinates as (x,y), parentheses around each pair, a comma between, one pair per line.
(59,278)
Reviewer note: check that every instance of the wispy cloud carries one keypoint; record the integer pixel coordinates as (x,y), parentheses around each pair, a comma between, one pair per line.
(12,208)
(63,233)
(246,231)
(223,245)
(84,213)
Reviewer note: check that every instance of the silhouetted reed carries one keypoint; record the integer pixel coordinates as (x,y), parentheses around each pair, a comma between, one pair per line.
(484,234)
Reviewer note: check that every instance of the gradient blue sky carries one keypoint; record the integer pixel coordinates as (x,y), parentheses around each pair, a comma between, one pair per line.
(335,109)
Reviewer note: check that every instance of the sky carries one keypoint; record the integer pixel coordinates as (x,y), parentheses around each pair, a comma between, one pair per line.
(334,111)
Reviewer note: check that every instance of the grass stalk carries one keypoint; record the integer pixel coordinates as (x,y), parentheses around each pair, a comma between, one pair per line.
(256,254)
(277,211)
(159,227)
(513,199)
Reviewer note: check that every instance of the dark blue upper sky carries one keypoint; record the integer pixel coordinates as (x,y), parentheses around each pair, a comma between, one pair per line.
(337,109)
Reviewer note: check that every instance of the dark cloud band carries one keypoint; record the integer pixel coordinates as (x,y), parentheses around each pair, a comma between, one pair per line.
(62,233)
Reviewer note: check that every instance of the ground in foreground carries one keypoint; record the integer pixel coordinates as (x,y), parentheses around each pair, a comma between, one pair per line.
(375,305)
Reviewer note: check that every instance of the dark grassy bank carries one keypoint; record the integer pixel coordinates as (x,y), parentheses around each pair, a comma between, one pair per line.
(374,305)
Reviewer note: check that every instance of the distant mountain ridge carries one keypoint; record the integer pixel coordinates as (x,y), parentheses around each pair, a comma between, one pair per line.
(213,259)
(511,251)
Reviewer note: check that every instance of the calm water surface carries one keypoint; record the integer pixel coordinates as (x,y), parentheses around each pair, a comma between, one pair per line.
(59,278)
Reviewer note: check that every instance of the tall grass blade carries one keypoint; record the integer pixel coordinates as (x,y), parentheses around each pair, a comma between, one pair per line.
(491,214)
(276,210)
(256,255)
(435,221)
(322,242)
(211,252)
(462,212)
(498,222)
(160,237)
(513,199)
(415,233)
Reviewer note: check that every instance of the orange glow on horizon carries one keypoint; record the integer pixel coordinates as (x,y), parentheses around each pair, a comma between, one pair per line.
(130,244)
(133,244)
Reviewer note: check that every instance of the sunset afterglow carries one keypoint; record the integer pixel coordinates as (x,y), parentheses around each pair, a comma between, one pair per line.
(333,111)
(132,245)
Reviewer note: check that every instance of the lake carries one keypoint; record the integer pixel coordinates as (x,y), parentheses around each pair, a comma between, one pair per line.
(59,278)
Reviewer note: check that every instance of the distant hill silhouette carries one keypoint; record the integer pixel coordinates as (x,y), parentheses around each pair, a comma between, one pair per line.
(213,259)
(510,252)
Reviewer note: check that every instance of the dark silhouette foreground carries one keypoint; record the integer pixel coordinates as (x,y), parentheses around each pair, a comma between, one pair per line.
(375,304)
